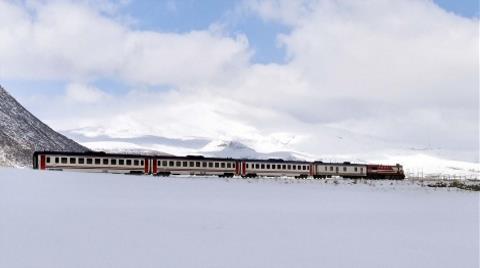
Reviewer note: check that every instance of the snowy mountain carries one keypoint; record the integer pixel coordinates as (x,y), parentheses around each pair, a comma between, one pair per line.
(21,133)
(172,146)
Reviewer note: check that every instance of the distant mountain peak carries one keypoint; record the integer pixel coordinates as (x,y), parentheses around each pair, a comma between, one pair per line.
(21,133)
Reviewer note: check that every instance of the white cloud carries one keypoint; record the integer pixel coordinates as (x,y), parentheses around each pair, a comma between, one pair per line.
(65,40)
(361,76)
(84,93)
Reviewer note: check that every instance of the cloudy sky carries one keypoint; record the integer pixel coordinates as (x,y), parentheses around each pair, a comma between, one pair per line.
(275,74)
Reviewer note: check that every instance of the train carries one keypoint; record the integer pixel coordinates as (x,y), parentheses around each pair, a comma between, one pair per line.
(196,165)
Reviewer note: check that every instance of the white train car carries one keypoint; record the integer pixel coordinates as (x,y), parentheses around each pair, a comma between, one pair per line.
(275,168)
(92,162)
(194,165)
(345,170)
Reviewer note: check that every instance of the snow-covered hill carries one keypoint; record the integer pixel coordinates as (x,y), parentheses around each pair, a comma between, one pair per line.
(416,163)
(21,133)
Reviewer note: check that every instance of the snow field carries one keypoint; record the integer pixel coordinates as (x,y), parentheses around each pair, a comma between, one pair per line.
(63,219)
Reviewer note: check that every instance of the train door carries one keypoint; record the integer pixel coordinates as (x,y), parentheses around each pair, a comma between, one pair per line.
(43,161)
(155,166)
(147,166)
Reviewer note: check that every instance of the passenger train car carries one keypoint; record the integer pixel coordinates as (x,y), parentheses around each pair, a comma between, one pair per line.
(207,166)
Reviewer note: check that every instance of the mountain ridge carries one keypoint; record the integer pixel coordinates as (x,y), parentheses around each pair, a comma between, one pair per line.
(22,133)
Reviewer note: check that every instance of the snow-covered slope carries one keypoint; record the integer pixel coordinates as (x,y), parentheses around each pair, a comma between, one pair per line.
(64,219)
(21,133)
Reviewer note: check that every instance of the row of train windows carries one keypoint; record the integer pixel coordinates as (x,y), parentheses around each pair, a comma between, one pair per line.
(273,166)
(344,169)
(166,163)
(95,161)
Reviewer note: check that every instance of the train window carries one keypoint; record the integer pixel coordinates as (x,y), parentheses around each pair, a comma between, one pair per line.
(121,162)
(355,169)
(257,166)
(113,161)
(344,168)
(159,163)
(284,166)
(289,167)
(192,164)
(185,164)
(164,163)
(81,161)
(142,163)
(129,162)
(331,168)
(73,160)
(222,165)
(97,161)
(204,164)
(308,167)
(262,166)
(89,161)
(56,160)
(135,162)
(217,165)
(325,168)
(197,164)
(233,165)
(274,166)
(336,169)
(210,164)
(64,160)
(294,167)
(268,166)
(279,166)
(247,165)
(229,165)
(105,161)
(178,164)
(171,163)
(48,159)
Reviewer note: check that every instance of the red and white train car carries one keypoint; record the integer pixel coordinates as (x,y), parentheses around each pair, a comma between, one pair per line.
(92,162)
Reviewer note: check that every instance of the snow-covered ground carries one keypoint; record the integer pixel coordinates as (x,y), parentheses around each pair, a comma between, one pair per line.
(62,219)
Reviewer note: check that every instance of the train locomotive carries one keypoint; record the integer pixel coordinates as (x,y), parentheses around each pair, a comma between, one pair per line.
(209,166)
